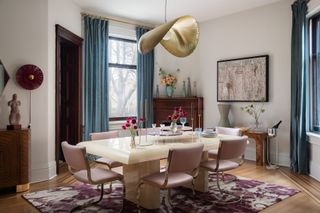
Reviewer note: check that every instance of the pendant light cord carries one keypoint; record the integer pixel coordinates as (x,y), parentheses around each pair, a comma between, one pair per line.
(165,12)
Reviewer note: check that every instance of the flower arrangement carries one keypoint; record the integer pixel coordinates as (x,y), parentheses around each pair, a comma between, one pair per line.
(167,79)
(132,124)
(177,113)
(255,110)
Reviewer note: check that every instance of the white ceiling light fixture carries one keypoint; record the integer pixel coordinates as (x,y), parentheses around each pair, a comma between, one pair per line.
(179,36)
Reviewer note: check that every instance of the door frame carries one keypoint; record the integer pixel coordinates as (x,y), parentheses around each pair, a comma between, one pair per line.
(63,34)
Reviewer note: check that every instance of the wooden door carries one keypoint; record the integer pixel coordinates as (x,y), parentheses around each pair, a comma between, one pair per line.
(68,89)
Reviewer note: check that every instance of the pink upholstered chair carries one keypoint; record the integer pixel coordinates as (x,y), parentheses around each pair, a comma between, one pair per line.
(182,167)
(106,135)
(224,131)
(228,149)
(79,167)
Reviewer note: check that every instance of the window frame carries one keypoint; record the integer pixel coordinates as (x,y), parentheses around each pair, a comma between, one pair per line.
(313,69)
(122,66)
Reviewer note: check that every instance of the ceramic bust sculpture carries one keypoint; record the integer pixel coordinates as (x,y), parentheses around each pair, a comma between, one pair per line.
(14,117)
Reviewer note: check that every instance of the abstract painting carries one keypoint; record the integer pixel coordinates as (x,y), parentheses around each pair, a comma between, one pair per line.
(243,79)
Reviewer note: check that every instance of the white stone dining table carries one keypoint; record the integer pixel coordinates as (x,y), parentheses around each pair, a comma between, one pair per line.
(145,159)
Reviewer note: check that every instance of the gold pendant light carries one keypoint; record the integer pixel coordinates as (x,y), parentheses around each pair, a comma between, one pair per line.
(179,37)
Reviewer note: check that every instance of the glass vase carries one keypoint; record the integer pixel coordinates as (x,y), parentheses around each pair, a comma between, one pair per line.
(174,127)
(169,90)
(133,141)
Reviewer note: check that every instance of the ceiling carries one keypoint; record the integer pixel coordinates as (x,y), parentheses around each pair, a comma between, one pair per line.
(152,11)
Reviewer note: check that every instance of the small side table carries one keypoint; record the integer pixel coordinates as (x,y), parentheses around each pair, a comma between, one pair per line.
(260,138)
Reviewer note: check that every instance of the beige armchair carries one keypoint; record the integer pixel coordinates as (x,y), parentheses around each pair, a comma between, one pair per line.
(80,169)
(228,150)
(180,170)
(224,131)
(106,135)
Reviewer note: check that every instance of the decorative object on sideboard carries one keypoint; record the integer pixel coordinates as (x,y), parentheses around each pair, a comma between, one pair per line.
(194,89)
(4,77)
(189,93)
(29,77)
(243,79)
(168,80)
(184,89)
(224,115)
(157,91)
(14,117)
(179,36)
(255,110)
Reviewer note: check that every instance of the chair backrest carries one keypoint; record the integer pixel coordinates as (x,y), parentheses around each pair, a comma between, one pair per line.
(232,148)
(228,131)
(104,135)
(184,159)
(75,156)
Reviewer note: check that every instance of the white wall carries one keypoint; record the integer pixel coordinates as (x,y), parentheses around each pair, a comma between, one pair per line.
(28,37)
(264,30)
(188,66)
(24,40)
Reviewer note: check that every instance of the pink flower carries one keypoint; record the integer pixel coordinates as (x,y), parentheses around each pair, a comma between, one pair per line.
(141,119)
(169,118)
(124,127)
(135,127)
(133,121)
(175,117)
(185,114)
(127,125)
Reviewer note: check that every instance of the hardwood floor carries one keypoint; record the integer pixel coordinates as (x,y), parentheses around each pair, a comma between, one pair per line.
(306,201)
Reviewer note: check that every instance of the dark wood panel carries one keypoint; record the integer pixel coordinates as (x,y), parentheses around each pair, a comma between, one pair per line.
(14,157)
(162,107)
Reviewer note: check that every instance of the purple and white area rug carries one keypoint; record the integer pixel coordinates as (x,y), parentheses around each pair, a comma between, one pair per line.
(256,196)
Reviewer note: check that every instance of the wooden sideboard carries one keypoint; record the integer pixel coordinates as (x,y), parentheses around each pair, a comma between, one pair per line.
(162,107)
(14,159)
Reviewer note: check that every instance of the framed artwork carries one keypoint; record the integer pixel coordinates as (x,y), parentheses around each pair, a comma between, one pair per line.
(243,79)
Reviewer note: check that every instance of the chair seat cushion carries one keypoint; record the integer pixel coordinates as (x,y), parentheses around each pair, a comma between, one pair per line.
(109,162)
(98,176)
(174,179)
(213,153)
(224,165)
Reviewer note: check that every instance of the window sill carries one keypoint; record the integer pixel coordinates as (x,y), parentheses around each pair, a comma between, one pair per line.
(314,138)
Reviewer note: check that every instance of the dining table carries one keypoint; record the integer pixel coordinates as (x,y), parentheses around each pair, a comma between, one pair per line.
(144,159)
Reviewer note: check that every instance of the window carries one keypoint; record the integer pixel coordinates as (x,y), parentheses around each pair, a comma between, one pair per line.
(122,78)
(315,72)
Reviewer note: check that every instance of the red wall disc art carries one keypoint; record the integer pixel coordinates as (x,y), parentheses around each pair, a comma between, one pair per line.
(29,76)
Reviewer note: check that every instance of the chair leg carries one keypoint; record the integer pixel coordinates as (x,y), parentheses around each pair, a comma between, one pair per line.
(90,204)
(223,202)
(138,195)
(169,197)
(193,191)
(123,195)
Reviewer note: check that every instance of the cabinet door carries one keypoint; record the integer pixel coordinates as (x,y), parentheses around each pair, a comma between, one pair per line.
(9,166)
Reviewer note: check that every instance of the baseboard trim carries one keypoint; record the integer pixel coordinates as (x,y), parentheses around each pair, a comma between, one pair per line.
(315,170)
(283,158)
(44,172)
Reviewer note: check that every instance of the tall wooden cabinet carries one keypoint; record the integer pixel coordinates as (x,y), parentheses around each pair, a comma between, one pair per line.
(162,107)
(14,159)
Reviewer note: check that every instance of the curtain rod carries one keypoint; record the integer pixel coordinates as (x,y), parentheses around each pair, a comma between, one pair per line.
(114,19)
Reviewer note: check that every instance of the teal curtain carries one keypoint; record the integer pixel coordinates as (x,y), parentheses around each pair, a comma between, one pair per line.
(299,146)
(145,72)
(95,76)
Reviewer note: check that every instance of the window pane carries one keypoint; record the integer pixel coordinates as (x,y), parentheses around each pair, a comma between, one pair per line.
(122,92)
(122,52)
(315,73)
